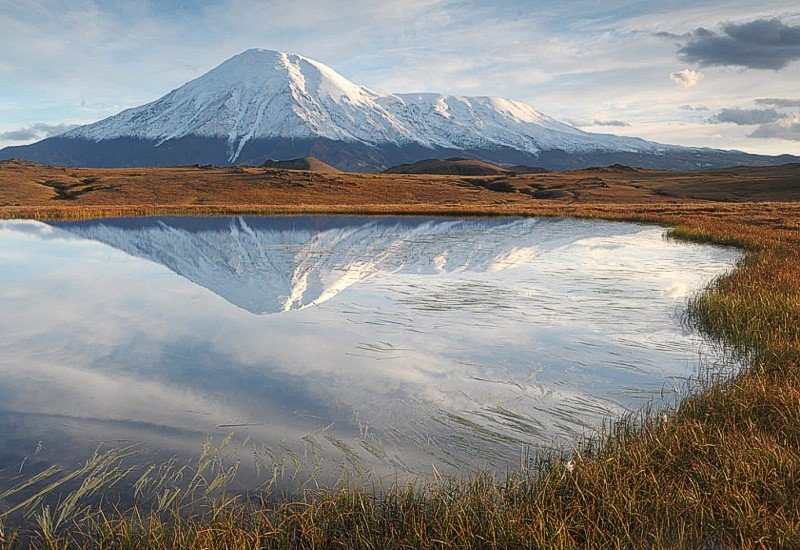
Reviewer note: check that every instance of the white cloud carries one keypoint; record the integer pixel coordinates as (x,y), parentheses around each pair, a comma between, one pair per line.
(687,77)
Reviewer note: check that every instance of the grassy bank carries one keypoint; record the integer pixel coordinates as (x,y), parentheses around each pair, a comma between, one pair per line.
(720,470)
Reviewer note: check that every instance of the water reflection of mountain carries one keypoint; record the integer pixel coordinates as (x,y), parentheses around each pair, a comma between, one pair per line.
(456,342)
(269,265)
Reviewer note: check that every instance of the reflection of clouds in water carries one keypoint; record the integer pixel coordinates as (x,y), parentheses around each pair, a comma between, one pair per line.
(678,289)
(524,328)
(55,389)
(674,268)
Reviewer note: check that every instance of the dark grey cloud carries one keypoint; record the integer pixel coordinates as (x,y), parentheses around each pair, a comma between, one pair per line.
(597,122)
(694,108)
(672,35)
(778,102)
(758,44)
(770,123)
(614,122)
(36,131)
(22,134)
(747,117)
(788,128)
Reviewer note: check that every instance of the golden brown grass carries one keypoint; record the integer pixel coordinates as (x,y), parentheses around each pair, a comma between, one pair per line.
(720,469)
(28,187)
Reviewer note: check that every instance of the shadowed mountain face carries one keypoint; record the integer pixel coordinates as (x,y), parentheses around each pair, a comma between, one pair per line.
(270,265)
(353,156)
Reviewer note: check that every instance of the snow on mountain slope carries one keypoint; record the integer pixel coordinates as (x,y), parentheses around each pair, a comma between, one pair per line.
(460,122)
(264,94)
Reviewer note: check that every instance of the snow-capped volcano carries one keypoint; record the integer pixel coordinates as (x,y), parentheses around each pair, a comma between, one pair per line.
(264,104)
(264,94)
(259,94)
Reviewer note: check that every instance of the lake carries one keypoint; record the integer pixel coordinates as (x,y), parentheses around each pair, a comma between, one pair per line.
(388,344)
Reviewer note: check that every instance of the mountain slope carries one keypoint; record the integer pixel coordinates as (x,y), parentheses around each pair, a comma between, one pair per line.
(264,104)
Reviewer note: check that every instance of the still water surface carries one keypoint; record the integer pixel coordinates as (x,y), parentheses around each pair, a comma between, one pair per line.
(384,343)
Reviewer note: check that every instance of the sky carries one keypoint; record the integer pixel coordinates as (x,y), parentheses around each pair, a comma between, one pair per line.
(722,74)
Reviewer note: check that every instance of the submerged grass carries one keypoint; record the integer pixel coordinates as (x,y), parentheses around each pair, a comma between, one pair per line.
(719,469)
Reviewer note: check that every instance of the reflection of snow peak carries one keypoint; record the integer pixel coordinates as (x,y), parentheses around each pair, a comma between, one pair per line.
(514,258)
(269,265)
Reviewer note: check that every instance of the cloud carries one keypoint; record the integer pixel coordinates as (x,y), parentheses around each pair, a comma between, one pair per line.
(771,123)
(687,77)
(694,108)
(671,35)
(747,117)
(787,128)
(778,102)
(618,123)
(758,44)
(596,122)
(36,131)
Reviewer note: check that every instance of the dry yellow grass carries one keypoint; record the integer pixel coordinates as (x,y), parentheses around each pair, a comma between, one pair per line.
(29,186)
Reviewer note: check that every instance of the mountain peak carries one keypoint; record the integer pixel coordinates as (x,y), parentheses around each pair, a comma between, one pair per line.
(268,67)
(265,59)
(260,52)
(257,94)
